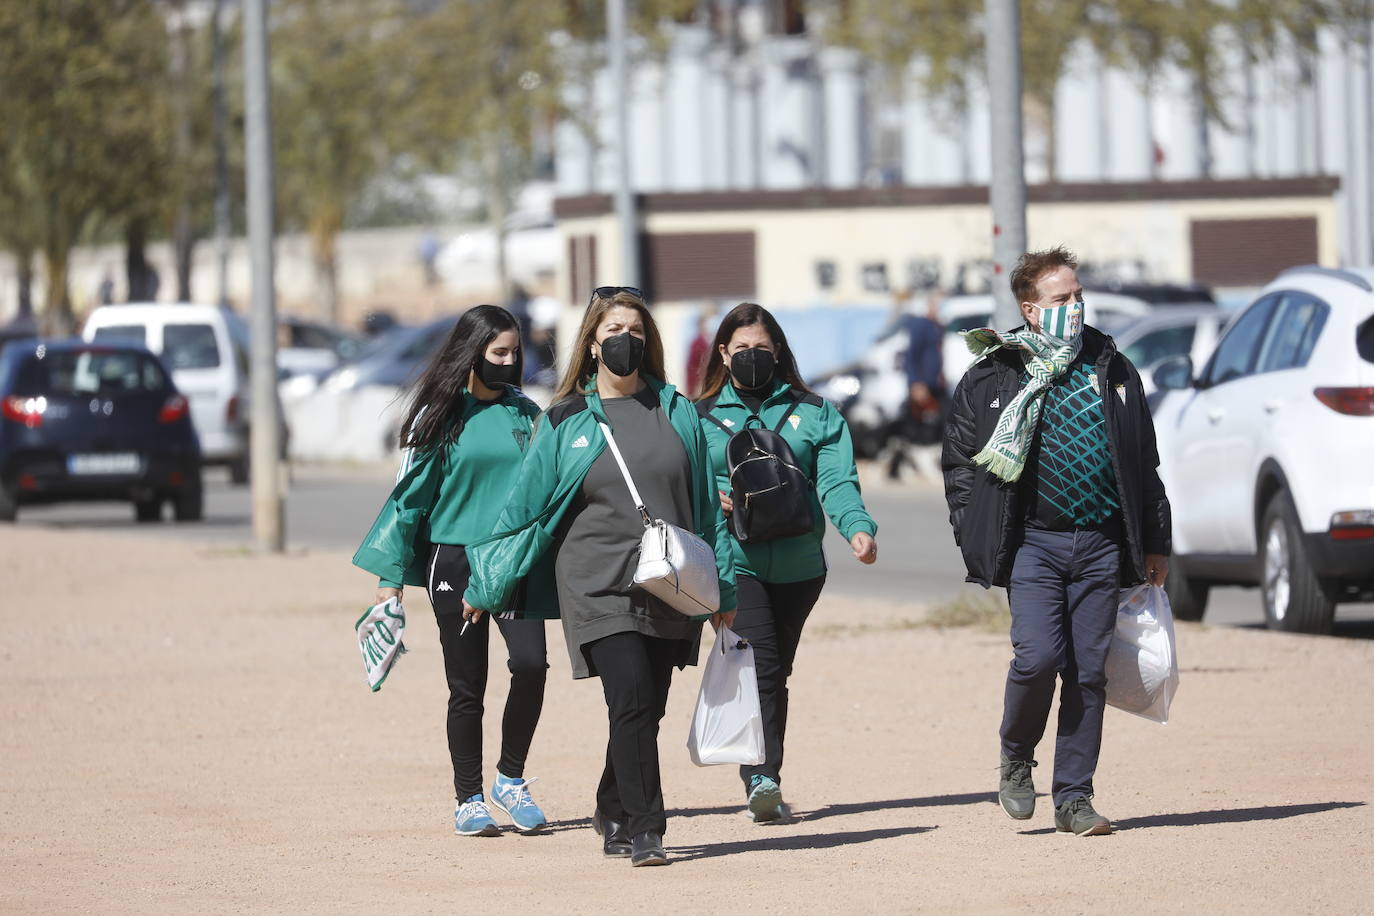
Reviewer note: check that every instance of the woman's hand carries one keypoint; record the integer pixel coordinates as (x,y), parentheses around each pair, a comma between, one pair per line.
(727,505)
(865,547)
(471,613)
(386,594)
(728,618)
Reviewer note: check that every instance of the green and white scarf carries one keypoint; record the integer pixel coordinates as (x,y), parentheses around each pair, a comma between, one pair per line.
(1005,453)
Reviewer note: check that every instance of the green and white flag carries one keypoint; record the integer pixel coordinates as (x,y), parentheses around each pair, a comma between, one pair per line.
(380,632)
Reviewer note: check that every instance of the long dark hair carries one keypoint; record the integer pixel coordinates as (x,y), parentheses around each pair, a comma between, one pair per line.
(435,406)
(581,366)
(742,316)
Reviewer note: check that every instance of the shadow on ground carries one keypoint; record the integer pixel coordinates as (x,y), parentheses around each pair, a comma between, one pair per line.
(794,841)
(929,801)
(1219,816)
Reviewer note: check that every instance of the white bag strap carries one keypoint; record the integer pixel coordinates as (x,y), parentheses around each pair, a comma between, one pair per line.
(625,472)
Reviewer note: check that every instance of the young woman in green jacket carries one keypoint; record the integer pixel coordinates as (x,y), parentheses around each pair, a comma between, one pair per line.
(466,430)
(571,504)
(750,373)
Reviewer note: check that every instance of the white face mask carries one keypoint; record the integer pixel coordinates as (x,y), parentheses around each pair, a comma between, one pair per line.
(1062,324)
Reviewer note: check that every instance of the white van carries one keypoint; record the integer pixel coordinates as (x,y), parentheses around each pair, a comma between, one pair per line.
(205,349)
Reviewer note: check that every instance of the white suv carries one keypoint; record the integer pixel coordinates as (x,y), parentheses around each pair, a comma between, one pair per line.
(1268,453)
(205,349)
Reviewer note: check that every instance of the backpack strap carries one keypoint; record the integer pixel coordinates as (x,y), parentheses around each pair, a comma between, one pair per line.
(797,398)
(704,409)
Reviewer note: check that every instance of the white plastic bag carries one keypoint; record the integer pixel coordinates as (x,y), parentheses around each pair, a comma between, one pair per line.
(727,726)
(1142,664)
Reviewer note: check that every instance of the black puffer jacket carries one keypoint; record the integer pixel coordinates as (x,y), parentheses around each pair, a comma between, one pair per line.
(986,513)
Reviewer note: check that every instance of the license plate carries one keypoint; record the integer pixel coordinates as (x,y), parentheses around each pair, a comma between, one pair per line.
(114,463)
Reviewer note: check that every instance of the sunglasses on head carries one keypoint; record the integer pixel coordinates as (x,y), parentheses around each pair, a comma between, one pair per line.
(610,292)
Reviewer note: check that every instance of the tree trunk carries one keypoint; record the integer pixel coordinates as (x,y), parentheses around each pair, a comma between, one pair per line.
(58,320)
(24,259)
(183,232)
(1051,142)
(184,245)
(138,274)
(327,275)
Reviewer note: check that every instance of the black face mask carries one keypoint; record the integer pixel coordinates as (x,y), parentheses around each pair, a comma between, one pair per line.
(622,354)
(752,368)
(495,375)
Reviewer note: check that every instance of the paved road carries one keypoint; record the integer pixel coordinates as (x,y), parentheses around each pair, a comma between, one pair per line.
(332,507)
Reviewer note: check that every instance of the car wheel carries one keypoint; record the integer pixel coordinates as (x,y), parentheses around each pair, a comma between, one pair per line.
(9,506)
(1293,597)
(238,470)
(1187,597)
(190,505)
(148,510)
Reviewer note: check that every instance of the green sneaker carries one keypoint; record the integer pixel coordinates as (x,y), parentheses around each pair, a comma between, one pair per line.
(1016,790)
(1077,816)
(765,799)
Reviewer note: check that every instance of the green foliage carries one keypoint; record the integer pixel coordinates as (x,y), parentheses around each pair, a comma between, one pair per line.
(84,120)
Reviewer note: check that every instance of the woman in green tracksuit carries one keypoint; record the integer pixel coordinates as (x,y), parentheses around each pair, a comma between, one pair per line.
(466,430)
(571,504)
(751,373)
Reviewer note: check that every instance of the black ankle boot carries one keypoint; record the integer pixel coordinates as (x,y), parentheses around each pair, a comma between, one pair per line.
(647,849)
(615,840)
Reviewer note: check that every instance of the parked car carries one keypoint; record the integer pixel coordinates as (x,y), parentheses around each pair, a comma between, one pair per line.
(1185,330)
(205,348)
(95,422)
(310,347)
(1268,453)
(355,412)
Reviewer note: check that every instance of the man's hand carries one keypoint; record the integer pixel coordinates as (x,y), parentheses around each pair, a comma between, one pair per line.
(1156,568)
(865,547)
(386,594)
(471,613)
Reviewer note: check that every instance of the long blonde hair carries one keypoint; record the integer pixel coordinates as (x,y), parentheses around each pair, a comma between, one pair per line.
(581,366)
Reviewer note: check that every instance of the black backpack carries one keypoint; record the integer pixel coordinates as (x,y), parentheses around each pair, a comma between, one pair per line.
(772,495)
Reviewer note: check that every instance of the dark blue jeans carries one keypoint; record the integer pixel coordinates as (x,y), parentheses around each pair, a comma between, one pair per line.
(1063,593)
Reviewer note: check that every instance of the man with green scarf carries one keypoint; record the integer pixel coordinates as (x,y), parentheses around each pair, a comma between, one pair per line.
(1050,473)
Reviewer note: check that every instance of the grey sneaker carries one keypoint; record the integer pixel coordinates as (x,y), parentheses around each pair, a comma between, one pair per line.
(1077,816)
(1015,790)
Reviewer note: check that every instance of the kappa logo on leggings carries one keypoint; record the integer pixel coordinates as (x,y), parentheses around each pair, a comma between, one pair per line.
(443,587)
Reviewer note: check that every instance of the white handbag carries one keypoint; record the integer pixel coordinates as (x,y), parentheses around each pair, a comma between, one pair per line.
(675,566)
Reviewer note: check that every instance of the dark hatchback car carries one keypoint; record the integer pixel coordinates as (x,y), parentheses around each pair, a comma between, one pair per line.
(82,421)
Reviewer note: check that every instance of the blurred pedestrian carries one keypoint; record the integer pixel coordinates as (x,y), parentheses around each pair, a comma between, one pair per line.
(466,430)
(919,425)
(697,354)
(104,294)
(571,506)
(752,380)
(428,251)
(1050,473)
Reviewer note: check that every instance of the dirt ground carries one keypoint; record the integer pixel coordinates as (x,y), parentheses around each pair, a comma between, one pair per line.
(187,730)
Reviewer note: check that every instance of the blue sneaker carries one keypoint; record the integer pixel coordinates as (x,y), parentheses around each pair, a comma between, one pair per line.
(765,799)
(473,819)
(513,797)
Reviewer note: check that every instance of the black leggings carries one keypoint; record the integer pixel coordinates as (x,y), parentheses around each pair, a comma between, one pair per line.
(771,616)
(636,671)
(465,665)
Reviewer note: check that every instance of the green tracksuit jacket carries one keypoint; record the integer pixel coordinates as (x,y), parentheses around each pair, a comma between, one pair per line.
(819,438)
(451,494)
(566,441)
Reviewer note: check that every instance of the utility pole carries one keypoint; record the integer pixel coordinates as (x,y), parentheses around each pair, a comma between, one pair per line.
(1008,190)
(267,480)
(628,221)
(222,223)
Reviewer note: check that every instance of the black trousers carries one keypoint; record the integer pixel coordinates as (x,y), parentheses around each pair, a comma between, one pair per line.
(771,616)
(1063,594)
(465,666)
(636,672)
